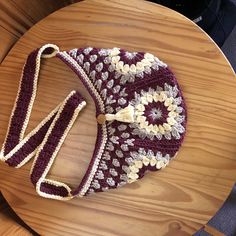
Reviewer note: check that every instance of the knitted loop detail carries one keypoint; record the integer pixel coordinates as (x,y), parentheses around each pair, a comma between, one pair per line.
(44,141)
(140,110)
(49,50)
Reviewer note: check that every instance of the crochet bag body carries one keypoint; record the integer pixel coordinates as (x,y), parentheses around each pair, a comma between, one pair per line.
(140,112)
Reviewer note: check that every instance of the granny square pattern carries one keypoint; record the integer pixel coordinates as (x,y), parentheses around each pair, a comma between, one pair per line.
(140,111)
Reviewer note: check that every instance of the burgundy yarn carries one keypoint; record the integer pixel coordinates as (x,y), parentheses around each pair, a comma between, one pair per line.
(118,81)
(30,145)
(53,190)
(22,103)
(156,77)
(54,137)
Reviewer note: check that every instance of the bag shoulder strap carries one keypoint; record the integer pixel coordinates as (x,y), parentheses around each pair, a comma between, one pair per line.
(44,141)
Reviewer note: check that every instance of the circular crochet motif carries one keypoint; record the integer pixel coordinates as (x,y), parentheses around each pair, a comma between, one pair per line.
(157,113)
(140,111)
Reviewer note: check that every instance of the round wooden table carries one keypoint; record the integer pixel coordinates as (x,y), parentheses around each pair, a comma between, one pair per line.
(175,201)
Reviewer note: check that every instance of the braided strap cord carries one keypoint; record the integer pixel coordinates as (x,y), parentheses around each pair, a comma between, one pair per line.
(45,140)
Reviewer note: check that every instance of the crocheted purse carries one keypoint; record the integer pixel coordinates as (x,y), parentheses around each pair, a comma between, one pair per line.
(140,111)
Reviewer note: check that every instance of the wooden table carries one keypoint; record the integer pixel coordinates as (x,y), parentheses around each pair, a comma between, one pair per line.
(175,201)
(16,17)
(10,227)
(9,222)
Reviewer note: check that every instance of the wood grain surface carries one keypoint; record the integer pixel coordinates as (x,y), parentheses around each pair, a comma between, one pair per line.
(8,223)
(175,201)
(17,16)
(10,227)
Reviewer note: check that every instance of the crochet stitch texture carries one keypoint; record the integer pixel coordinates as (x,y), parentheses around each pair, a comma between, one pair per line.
(141,119)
